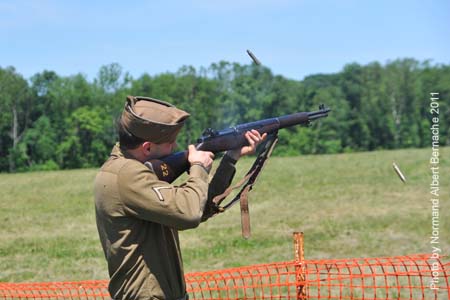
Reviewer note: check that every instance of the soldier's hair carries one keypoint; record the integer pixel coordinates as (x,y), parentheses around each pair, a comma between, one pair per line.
(126,139)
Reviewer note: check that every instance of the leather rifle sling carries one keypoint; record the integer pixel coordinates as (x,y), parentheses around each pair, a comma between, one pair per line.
(247,183)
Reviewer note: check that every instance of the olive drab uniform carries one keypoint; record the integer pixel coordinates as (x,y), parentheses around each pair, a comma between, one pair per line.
(138,216)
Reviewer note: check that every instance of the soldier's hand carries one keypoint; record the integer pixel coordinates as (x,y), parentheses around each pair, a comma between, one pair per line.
(205,158)
(254,138)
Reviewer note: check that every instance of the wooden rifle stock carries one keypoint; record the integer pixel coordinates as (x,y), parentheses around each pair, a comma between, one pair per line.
(172,166)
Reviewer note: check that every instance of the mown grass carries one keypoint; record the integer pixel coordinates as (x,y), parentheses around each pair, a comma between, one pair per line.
(348,205)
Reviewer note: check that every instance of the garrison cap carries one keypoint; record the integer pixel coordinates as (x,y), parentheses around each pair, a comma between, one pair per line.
(152,119)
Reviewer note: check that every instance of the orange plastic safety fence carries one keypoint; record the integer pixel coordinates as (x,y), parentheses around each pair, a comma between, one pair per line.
(92,289)
(404,277)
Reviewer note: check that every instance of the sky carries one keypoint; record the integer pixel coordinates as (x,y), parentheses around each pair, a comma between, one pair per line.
(292,38)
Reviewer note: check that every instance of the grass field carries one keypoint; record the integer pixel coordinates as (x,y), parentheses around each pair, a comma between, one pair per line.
(348,205)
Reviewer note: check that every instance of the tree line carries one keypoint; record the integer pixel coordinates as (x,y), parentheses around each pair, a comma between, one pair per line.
(52,122)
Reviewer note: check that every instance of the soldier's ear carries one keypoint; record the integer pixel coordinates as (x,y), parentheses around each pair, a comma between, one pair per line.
(146,148)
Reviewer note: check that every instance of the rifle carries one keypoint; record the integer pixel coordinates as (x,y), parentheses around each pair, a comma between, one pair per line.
(172,166)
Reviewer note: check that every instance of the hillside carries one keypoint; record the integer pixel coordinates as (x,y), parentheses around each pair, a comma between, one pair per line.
(348,205)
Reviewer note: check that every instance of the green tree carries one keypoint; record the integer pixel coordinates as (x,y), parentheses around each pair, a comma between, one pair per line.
(15,107)
(40,143)
(84,144)
(352,85)
(329,134)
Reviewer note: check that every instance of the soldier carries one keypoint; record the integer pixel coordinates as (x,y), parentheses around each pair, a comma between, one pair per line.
(138,216)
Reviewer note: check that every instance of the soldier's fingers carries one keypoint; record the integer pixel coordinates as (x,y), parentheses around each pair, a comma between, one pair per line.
(256,137)
(250,138)
(256,133)
(263,137)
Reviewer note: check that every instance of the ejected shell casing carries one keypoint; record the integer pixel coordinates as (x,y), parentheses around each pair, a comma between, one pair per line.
(399,173)
(255,60)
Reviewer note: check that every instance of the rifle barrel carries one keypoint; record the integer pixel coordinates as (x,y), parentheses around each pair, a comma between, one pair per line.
(303,117)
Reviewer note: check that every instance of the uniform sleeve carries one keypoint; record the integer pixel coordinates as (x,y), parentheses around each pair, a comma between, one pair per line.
(220,182)
(145,197)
